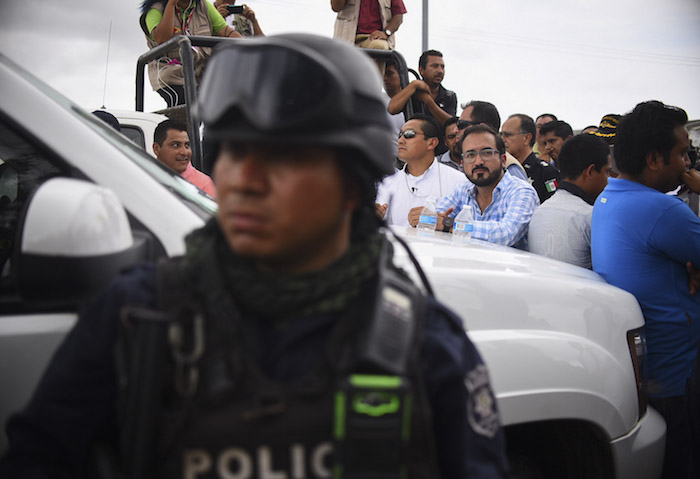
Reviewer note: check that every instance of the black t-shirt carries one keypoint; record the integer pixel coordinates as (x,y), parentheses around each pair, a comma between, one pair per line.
(447,101)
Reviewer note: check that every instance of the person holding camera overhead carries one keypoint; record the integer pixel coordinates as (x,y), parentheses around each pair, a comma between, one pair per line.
(161,20)
(239,17)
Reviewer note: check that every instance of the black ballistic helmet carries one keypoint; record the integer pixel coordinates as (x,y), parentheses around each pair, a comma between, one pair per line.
(298,89)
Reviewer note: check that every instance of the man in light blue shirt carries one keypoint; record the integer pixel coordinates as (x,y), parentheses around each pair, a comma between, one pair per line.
(501,204)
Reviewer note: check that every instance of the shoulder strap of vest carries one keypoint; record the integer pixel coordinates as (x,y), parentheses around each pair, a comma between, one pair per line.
(141,357)
(382,414)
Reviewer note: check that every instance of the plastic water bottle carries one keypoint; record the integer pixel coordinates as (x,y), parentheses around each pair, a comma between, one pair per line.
(464,223)
(428,217)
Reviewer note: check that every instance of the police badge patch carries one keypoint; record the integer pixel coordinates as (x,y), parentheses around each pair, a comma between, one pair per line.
(481,407)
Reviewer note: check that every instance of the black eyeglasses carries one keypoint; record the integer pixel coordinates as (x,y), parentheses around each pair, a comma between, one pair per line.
(462,124)
(408,134)
(486,154)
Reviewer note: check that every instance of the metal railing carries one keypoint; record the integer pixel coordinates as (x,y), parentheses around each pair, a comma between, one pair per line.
(185,43)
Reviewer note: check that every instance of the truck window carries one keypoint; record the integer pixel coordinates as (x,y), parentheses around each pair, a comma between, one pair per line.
(23,167)
(135,134)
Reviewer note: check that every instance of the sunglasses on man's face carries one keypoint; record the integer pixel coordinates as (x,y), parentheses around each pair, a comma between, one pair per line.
(462,124)
(408,134)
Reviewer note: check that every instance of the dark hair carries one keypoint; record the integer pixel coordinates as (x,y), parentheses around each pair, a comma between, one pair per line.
(500,144)
(581,151)
(648,128)
(423,60)
(431,128)
(484,112)
(560,128)
(527,125)
(448,122)
(391,62)
(161,131)
(552,115)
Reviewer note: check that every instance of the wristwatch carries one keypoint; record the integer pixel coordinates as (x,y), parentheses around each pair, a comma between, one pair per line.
(388,32)
(447,224)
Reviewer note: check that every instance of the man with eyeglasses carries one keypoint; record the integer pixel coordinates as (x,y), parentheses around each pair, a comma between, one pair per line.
(428,95)
(518,133)
(452,132)
(476,112)
(401,196)
(501,204)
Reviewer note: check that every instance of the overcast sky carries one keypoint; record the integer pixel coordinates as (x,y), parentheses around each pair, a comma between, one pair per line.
(579,60)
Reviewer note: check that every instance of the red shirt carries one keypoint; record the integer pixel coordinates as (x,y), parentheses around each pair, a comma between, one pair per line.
(370,19)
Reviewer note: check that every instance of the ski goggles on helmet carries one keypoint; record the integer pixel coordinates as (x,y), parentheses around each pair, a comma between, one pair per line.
(273,86)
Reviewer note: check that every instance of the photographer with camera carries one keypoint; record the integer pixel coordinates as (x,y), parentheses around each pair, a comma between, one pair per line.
(239,17)
(161,20)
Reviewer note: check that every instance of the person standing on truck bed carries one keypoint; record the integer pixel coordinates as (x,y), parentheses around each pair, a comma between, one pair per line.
(160,21)
(368,23)
(648,243)
(290,344)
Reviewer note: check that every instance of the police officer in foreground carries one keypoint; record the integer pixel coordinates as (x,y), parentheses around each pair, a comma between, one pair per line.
(284,344)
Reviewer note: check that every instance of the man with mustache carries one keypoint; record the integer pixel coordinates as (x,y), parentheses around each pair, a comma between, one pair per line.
(478,111)
(501,204)
(428,95)
(452,132)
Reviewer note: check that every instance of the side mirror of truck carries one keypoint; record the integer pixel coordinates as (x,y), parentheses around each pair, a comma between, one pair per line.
(75,237)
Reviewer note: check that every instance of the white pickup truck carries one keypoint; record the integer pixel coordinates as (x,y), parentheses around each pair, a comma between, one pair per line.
(565,350)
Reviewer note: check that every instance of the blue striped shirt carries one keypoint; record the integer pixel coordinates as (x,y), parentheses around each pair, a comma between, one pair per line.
(505,220)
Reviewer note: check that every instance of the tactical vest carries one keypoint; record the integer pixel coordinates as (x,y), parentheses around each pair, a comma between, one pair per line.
(214,414)
(167,70)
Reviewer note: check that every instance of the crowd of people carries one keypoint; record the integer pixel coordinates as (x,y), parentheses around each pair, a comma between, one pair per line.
(605,199)
(533,184)
(296,242)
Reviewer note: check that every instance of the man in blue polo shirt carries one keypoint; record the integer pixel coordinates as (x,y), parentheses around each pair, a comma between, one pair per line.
(648,243)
